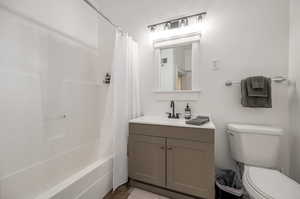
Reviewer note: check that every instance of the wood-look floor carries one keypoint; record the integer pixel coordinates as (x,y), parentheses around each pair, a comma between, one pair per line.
(125,192)
(121,193)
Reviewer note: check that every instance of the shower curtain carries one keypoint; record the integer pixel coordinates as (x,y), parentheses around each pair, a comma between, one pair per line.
(126,101)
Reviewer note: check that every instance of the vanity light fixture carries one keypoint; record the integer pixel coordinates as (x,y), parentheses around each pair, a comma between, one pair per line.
(167,26)
(178,26)
(184,22)
(152,28)
(200,17)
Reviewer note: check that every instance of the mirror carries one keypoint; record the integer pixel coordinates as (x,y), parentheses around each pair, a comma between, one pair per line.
(175,68)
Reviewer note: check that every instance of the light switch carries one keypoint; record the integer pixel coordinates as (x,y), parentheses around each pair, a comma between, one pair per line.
(215,64)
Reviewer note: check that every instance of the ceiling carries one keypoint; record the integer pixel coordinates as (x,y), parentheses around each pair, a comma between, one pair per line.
(133,15)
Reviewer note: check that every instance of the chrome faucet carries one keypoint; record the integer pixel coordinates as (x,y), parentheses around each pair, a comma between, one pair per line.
(173,115)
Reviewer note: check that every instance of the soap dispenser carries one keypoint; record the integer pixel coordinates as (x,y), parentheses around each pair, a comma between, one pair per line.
(187,112)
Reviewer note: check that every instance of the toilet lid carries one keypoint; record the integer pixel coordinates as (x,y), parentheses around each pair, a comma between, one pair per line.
(254,129)
(271,184)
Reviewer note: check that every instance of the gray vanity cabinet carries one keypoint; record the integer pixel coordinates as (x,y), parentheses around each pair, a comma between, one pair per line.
(188,167)
(173,158)
(147,159)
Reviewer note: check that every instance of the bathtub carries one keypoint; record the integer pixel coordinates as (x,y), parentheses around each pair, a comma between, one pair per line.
(92,182)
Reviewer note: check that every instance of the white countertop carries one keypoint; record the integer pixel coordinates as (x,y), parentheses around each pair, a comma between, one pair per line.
(159,120)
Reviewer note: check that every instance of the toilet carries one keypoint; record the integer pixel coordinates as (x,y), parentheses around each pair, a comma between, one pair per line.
(257,149)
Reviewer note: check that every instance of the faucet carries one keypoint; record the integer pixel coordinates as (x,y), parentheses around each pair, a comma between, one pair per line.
(173,115)
(172,105)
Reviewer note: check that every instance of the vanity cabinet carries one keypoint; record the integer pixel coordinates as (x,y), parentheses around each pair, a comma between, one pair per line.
(188,167)
(147,159)
(179,159)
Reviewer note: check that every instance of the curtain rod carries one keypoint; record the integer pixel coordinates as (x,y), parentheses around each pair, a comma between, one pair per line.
(102,15)
(188,16)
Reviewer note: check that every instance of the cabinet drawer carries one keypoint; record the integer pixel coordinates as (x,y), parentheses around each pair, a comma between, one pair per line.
(196,134)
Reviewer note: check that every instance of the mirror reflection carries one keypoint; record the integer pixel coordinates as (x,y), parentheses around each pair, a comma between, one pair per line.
(176,68)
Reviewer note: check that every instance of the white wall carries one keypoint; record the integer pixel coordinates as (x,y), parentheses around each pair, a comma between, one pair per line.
(247,37)
(294,75)
(72,18)
(48,64)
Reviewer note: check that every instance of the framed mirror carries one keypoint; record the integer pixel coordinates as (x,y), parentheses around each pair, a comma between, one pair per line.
(176,68)
(177,63)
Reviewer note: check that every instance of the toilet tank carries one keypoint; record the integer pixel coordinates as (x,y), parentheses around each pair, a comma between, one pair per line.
(254,145)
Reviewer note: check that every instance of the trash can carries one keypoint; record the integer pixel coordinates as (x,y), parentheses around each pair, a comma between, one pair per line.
(228,185)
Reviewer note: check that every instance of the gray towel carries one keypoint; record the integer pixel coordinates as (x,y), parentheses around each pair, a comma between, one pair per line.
(257,82)
(259,97)
(257,86)
(199,120)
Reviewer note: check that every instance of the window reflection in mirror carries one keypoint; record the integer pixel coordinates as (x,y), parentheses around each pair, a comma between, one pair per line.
(176,68)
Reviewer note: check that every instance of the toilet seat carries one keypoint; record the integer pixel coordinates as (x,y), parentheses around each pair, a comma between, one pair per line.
(263,183)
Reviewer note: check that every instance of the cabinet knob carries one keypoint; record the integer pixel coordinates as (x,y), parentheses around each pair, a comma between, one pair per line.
(162,147)
(170,148)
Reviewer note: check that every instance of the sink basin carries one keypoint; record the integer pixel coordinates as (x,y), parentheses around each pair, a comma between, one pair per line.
(159,120)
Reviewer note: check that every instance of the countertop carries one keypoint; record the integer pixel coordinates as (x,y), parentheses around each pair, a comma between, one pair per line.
(159,120)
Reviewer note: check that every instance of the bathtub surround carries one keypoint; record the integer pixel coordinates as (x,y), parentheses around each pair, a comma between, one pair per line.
(54,54)
(126,101)
(63,126)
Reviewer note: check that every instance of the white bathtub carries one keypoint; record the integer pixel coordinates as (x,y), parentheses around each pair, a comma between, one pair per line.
(93,182)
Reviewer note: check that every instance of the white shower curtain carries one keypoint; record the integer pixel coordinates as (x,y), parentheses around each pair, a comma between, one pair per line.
(126,101)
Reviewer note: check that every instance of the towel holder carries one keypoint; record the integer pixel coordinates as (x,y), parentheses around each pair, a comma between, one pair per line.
(277,79)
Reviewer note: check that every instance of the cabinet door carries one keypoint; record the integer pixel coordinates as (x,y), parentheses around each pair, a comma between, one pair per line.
(190,167)
(147,159)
